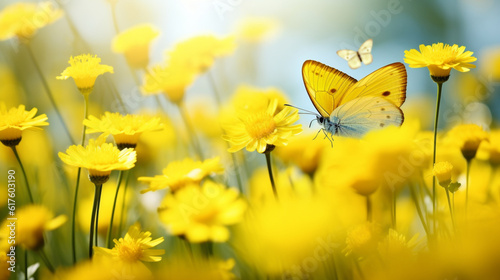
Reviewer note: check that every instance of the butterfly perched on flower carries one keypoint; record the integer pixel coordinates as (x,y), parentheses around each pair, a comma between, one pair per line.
(354,58)
(351,108)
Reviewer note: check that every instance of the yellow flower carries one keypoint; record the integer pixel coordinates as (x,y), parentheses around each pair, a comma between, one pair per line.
(99,158)
(363,239)
(198,53)
(84,70)
(468,137)
(15,120)
(32,222)
(181,268)
(440,59)
(171,80)
(491,150)
(126,130)
(257,130)
(202,213)
(134,44)
(303,151)
(395,246)
(442,171)
(22,20)
(256,29)
(134,247)
(178,174)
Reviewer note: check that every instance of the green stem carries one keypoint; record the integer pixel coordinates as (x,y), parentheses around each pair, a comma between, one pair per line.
(451,210)
(369,209)
(413,194)
(110,228)
(96,235)
(92,220)
(436,117)
(190,130)
(24,173)
(46,260)
(75,199)
(467,188)
(49,93)
(270,171)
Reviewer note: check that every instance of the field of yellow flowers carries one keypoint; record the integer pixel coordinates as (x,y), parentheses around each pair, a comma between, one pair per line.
(183,169)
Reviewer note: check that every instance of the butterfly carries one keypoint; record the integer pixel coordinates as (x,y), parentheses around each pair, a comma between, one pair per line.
(351,108)
(354,58)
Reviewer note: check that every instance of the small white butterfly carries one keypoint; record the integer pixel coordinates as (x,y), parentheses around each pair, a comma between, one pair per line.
(354,58)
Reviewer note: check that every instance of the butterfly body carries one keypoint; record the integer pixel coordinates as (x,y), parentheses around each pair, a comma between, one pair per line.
(351,108)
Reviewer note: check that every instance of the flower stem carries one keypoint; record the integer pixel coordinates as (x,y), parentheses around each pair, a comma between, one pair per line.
(96,235)
(49,93)
(467,187)
(214,88)
(270,171)
(369,209)
(26,277)
(110,228)
(73,220)
(451,210)
(415,198)
(436,117)
(93,218)
(24,173)
(46,260)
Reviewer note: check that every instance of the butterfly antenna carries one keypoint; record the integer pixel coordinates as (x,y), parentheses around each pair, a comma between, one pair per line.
(312,122)
(307,112)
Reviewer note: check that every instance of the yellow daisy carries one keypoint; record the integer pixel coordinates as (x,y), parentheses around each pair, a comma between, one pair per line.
(134,247)
(440,59)
(134,44)
(171,80)
(15,120)
(22,20)
(258,130)
(202,213)
(181,173)
(468,137)
(84,70)
(126,130)
(33,222)
(442,171)
(198,53)
(99,158)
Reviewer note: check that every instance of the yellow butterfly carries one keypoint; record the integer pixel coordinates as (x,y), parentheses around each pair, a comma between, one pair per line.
(354,58)
(351,108)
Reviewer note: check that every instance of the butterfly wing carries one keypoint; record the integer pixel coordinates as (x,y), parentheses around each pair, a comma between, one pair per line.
(352,58)
(325,85)
(356,117)
(365,52)
(388,82)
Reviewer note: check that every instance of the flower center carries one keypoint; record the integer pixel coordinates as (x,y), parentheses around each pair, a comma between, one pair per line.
(129,251)
(260,125)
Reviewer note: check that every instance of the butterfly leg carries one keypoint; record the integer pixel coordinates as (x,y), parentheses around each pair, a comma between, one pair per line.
(329,137)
